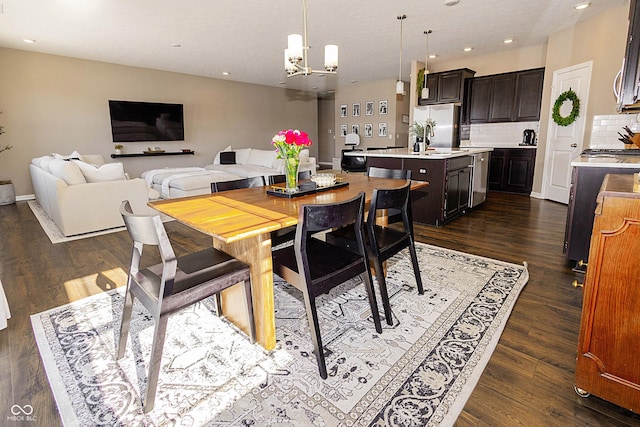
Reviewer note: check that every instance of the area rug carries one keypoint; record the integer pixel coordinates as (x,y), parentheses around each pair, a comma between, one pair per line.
(418,372)
(53,232)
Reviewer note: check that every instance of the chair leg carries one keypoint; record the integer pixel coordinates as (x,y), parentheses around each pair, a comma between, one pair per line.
(371,294)
(154,362)
(125,322)
(312,316)
(383,289)
(248,300)
(416,268)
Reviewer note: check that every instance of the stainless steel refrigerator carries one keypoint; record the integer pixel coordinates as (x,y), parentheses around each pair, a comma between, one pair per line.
(447,118)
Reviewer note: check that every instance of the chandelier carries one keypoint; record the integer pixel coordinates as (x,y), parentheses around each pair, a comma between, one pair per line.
(295,56)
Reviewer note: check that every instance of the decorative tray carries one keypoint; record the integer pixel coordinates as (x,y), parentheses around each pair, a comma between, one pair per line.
(281,191)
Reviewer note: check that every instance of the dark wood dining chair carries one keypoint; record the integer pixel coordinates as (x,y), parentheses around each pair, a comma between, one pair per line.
(286,234)
(393,215)
(383,242)
(175,283)
(256,181)
(314,266)
(280,178)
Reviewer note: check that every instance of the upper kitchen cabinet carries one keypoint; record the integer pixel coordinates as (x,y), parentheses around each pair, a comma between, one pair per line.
(507,97)
(628,95)
(446,87)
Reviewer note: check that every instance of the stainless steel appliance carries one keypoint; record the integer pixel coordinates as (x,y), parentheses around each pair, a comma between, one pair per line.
(447,118)
(528,137)
(479,179)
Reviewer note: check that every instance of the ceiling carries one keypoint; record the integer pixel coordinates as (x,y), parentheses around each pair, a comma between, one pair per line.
(247,38)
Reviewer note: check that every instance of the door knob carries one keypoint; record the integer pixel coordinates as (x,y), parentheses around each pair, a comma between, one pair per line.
(577,285)
(574,145)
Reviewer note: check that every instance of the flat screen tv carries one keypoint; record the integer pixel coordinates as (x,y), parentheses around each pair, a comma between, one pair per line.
(146,121)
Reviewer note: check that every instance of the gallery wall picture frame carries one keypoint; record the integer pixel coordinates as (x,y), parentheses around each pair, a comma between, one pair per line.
(383,107)
(382,129)
(368,108)
(343,110)
(355,129)
(343,130)
(368,130)
(356,110)
(405,118)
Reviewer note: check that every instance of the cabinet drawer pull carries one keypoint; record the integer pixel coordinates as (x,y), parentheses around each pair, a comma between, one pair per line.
(577,285)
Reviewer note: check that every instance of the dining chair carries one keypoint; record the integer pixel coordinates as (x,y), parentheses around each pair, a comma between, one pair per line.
(256,181)
(280,178)
(383,242)
(173,284)
(393,215)
(314,266)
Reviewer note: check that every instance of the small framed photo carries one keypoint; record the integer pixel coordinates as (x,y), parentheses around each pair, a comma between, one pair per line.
(355,129)
(382,107)
(343,130)
(343,110)
(356,110)
(368,130)
(382,129)
(405,118)
(368,108)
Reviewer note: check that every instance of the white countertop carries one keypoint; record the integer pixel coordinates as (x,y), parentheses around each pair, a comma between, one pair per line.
(437,153)
(631,162)
(468,144)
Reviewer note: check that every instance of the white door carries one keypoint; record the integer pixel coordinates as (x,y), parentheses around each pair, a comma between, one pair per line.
(564,143)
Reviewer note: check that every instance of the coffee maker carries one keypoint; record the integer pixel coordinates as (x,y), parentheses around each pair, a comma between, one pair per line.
(528,137)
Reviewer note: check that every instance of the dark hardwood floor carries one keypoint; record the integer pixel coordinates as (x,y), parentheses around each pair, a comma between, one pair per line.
(528,382)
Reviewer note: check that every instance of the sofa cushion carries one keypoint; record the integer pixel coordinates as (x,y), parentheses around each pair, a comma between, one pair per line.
(67,171)
(304,155)
(103,173)
(216,159)
(42,162)
(228,158)
(261,158)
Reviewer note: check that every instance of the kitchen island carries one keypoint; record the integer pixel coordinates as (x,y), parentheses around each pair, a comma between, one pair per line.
(453,177)
(588,174)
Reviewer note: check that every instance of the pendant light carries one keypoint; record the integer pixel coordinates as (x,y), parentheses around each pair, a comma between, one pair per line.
(424,94)
(400,83)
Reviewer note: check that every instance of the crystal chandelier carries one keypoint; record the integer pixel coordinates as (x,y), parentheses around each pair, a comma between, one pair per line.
(295,56)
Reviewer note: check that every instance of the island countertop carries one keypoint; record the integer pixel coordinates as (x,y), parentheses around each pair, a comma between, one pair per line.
(632,162)
(406,153)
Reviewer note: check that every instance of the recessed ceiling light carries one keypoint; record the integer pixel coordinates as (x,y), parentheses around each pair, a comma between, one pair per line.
(507,41)
(468,49)
(176,45)
(433,56)
(29,40)
(225,73)
(451,2)
(354,81)
(582,5)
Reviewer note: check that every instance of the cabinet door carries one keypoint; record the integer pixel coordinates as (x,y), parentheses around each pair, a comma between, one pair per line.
(496,169)
(480,100)
(432,85)
(427,204)
(450,87)
(503,94)
(519,170)
(529,95)
(631,74)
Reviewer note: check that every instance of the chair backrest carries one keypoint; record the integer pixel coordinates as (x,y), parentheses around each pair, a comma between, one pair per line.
(353,163)
(149,230)
(395,200)
(376,172)
(256,181)
(280,178)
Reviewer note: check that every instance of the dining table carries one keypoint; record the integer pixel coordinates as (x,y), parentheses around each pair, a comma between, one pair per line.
(240,223)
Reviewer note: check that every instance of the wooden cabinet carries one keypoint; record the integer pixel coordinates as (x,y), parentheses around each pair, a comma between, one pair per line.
(446,87)
(446,196)
(511,170)
(507,97)
(629,98)
(585,185)
(607,363)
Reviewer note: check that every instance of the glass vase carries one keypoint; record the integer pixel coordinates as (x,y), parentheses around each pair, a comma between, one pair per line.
(291,165)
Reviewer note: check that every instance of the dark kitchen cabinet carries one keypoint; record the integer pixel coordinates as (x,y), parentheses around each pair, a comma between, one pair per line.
(511,170)
(446,87)
(629,97)
(507,97)
(458,185)
(585,185)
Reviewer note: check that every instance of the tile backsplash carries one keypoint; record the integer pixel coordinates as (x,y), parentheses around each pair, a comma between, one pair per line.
(604,133)
(497,134)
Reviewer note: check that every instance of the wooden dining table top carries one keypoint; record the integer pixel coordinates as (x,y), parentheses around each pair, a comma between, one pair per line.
(237,214)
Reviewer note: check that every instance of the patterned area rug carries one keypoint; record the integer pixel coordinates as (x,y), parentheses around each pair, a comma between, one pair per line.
(418,372)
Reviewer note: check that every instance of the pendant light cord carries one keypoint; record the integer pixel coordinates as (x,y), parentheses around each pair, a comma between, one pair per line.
(401,18)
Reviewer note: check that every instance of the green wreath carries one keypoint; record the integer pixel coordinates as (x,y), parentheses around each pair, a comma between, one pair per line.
(575,111)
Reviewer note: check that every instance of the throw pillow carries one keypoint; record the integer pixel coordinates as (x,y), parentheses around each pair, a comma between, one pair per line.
(106,172)
(262,158)
(228,158)
(242,156)
(216,159)
(67,171)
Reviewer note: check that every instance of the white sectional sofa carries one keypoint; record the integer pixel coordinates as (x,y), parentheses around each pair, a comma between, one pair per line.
(82,193)
(233,164)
